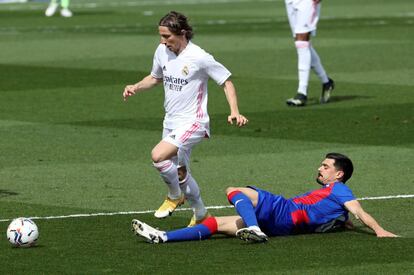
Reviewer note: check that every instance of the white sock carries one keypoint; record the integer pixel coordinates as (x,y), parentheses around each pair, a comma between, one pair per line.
(317,65)
(254,227)
(192,193)
(304,64)
(163,236)
(168,172)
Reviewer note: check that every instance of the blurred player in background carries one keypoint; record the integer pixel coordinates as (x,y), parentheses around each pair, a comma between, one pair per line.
(263,214)
(64,8)
(303,18)
(184,69)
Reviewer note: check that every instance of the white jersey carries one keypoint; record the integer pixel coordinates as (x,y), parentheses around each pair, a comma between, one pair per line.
(185,80)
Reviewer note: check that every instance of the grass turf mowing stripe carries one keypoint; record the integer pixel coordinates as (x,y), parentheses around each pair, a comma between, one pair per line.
(182,209)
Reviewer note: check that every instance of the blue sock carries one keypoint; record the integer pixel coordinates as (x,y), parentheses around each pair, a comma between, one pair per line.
(244,207)
(196,233)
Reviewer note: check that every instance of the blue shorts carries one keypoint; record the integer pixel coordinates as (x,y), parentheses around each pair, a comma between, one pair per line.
(273,213)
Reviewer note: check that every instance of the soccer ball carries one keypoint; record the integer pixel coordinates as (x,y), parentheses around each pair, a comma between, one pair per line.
(22,232)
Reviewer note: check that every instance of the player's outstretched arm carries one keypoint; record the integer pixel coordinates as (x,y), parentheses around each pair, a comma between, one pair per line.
(231,97)
(355,208)
(146,83)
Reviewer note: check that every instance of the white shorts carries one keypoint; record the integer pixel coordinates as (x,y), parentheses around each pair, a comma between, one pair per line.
(184,137)
(303,16)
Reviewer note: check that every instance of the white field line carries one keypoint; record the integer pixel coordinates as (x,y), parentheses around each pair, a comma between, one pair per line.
(386,197)
(181,209)
(12,1)
(115,4)
(118,28)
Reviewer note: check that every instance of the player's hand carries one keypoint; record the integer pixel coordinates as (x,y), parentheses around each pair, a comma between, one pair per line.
(238,119)
(386,234)
(129,91)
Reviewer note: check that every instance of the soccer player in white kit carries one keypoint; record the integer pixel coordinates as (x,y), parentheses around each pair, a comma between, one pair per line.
(184,69)
(303,18)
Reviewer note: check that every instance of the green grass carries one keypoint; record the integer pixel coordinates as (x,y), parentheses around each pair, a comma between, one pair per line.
(115,250)
(70,145)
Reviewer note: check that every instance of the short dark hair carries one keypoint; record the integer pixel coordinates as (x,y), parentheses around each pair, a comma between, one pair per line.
(176,23)
(342,163)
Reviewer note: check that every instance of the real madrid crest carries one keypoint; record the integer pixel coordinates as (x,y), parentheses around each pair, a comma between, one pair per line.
(185,71)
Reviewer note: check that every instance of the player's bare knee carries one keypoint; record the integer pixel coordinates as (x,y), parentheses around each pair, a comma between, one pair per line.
(302,37)
(156,156)
(182,173)
(231,189)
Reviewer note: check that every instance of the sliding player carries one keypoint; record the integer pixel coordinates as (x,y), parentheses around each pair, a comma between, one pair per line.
(263,214)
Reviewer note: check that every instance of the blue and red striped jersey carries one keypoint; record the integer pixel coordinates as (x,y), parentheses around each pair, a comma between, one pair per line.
(313,209)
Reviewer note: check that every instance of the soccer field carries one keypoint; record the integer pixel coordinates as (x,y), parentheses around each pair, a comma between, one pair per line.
(74,155)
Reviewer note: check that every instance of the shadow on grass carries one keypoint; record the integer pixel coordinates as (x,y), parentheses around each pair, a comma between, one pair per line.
(7,193)
(372,125)
(315,101)
(42,77)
